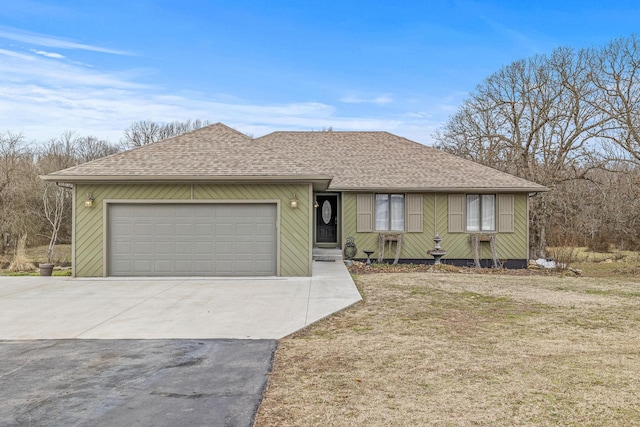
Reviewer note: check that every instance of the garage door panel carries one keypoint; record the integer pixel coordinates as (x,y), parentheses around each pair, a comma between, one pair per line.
(167,248)
(164,229)
(184,248)
(246,230)
(264,229)
(143,229)
(224,267)
(192,239)
(263,248)
(246,267)
(183,267)
(245,249)
(201,229)
(120,227)
(225,229)
(144,248)
(162,266)
(263,267)
(142,266)
(123,264)
(122,247)
(204,249)
(184,229)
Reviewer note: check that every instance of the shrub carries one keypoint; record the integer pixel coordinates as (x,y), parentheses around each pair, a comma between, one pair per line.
(599,243)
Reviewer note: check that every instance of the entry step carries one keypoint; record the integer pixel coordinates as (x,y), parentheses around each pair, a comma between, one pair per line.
(325,254)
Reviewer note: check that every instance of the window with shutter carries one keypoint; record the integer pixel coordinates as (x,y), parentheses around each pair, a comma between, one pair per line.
(456,213)
(481,212)
(364,213)
(389,212)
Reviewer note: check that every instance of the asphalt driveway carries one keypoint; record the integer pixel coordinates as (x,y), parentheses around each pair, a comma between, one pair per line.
(132,382)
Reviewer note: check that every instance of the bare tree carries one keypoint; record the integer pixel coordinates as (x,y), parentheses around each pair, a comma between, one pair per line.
(534,118)
(141,133)
(146,132)
(16,182)
(53,199)
(616,74)
(90,148)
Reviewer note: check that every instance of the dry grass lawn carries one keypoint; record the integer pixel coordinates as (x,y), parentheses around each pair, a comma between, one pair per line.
(466,349)
(37,254)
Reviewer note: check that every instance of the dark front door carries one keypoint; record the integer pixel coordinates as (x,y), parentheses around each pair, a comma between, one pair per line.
(327,219)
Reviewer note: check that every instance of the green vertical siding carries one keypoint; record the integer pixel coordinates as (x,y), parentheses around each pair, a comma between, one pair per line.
(435,220)
(294,223)
(508,245)
(414,245)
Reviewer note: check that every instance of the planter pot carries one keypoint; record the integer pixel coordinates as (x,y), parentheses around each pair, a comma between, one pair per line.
(46,269)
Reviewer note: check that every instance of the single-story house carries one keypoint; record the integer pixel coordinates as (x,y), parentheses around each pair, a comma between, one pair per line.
(217,202)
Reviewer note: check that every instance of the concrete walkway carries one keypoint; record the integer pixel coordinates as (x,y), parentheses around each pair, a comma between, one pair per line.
(185,308)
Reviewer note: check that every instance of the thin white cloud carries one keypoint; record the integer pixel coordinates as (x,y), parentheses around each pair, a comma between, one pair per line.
(379,100)
(48,54)
(18,67)
(419,115)
(43,98)
(41,113)
(16,55)
(51,41)
(516,37)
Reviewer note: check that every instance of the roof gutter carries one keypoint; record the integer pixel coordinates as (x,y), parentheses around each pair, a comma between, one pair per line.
(444,189)
(181,178)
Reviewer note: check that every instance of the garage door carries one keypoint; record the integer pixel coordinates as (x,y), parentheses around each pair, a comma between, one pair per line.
(192,240)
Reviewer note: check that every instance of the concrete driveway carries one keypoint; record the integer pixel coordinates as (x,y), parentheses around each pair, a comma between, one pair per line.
(153,352)
(187,308)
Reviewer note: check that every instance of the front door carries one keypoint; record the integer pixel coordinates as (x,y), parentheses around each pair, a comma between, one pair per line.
(327,218)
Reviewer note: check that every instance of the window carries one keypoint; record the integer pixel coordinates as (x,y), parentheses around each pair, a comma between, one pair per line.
(481,212)
(389,212)
(411,209)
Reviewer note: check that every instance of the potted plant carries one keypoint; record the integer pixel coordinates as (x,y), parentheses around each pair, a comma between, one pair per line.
(46,269)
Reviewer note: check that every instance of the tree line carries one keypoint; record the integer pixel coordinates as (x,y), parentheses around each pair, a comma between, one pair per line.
(569,120)
(37,212)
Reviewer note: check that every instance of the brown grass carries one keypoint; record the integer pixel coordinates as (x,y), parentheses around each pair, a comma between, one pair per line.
(20,262)
(452,349)
(32,256)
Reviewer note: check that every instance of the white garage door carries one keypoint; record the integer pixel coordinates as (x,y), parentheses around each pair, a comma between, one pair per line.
(192,240)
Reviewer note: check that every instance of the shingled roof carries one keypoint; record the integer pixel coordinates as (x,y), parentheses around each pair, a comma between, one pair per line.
(377,161)
(211,153)
(383,161)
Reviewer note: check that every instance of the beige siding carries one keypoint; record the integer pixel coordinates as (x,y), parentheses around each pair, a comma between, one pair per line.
(294,223)
(436,220)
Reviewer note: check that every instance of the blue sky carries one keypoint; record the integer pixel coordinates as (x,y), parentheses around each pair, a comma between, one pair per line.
(264,65)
